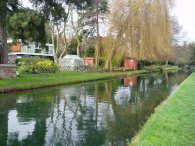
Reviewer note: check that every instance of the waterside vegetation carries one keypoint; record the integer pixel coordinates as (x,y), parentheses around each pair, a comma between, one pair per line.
(32,81)
(173,121)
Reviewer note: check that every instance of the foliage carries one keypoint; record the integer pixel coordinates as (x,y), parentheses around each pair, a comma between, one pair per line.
(184,54)
(90,51)
(72,49)
(27,25)
(88,47)
(177,34)
(192,46)
(60,15)
(139,29)
(97,9)
(45,67)
(37,68)
(28,61)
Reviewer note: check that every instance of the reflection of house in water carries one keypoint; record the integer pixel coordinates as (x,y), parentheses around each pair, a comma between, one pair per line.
(24,99)
(130,81)
(72,91)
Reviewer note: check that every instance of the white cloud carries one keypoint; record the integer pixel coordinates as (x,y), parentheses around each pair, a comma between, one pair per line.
(26,3)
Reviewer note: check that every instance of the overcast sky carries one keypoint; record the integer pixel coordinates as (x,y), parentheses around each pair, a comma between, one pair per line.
(185,12)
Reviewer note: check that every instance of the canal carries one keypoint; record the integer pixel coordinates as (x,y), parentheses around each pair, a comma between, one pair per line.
(102,113)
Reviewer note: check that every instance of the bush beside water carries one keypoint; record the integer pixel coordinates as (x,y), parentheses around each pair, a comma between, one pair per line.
(36,66)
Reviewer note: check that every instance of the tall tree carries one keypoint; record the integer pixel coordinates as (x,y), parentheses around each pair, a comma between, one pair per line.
(143,26)
(95,13)
(60,14)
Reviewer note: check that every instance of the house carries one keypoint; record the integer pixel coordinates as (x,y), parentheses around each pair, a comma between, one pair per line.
(89,61)
(131,64)
(32,50)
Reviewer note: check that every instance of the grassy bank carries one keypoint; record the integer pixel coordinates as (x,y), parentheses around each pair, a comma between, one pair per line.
(173,123)
(157,68)
(45,80)
(32,81)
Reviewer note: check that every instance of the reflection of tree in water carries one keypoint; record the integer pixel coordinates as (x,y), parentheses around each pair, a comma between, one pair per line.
(145,96)
(30,107)
(75,116)
(3,128)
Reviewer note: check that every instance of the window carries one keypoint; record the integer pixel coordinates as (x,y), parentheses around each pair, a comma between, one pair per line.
(36,45)
(47,49)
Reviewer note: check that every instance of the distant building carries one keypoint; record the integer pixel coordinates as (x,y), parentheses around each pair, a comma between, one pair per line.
(32,49)
(131,64)
(89,61)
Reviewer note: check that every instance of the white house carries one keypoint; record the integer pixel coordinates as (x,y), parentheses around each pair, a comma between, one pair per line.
(32,49)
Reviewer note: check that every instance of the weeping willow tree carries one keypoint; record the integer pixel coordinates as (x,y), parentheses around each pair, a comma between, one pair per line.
(140,29)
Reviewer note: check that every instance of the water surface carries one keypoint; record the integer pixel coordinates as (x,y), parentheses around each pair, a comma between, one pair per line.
(101,113)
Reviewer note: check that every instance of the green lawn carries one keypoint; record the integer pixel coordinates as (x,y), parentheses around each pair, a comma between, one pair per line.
(173,123)
(45,80)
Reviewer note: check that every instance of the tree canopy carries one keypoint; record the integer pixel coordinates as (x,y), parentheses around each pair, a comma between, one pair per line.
(27,25)
(139,29)
(142,27)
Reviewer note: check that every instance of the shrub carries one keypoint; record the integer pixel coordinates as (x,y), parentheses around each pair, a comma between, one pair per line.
(29,61)
(24,69)
(45,67)
(37,68)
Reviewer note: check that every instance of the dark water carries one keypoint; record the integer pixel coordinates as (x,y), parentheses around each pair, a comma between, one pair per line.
(90,114)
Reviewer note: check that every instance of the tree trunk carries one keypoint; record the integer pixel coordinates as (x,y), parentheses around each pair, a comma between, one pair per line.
(108,64)
(78,45)
(3,34)
(56,60)
(3,45)
(97,48)
(167,62)
(97,54)
(55,48)
(110,68)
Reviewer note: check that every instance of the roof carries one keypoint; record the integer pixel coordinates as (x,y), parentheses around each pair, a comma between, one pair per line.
(72,57)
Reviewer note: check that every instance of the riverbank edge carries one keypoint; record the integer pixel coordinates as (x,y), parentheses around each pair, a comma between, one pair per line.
(28,82)
(172,123)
